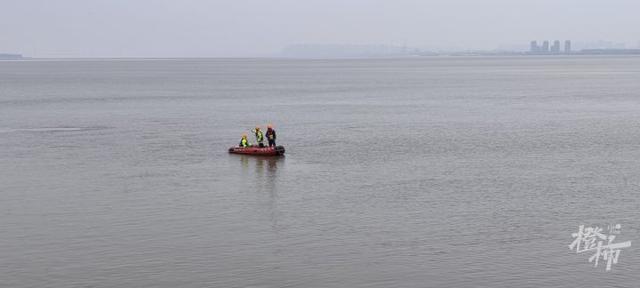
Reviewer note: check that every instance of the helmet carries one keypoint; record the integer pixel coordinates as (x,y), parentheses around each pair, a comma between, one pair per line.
(244,135)
(257,127)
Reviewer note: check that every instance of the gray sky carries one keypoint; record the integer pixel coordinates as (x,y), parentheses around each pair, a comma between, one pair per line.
(237,28)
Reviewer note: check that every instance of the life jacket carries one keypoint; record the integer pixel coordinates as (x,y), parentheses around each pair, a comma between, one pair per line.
(259,136)
(271,134)
(244,142)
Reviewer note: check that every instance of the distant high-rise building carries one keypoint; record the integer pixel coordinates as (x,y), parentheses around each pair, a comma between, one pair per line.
(533,47)
(556,47)
(567,46)
(545,47)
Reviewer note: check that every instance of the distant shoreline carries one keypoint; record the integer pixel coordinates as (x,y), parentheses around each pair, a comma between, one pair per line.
(7,56)
(452,55)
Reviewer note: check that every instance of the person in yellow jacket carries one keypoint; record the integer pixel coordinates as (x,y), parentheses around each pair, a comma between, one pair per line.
(259,136)
(244,143)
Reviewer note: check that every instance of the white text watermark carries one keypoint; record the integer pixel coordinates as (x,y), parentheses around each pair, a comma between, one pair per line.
(600,242)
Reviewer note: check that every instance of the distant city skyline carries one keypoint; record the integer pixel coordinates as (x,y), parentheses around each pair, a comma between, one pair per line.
(534,48)
(256,28)
(545,47)
(378,50)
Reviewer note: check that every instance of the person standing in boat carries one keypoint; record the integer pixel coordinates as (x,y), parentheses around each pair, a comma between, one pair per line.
(259,136)
(271,135)
(244,143)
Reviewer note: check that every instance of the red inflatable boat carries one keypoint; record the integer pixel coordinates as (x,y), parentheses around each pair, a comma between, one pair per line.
(260,151)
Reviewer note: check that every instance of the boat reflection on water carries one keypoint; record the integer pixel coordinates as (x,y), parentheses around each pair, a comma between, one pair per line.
(265,166)
(262,175)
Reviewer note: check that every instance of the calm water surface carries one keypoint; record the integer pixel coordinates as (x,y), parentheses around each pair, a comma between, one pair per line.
(427,172)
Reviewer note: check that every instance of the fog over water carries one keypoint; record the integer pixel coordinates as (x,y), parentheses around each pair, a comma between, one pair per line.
(248,28)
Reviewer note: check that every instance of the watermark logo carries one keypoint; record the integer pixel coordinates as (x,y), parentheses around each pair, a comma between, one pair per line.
(593,239)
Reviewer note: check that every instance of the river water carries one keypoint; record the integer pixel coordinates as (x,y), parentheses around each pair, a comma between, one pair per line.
(422,172)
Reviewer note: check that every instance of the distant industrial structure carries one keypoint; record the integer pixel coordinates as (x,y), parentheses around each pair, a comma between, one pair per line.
(546,49)
(567,47)
(556,47)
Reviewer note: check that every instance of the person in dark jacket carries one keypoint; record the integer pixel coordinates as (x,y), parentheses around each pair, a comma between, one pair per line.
(271,136)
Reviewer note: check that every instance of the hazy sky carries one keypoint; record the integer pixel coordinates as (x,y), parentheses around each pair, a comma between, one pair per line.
(236,28)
